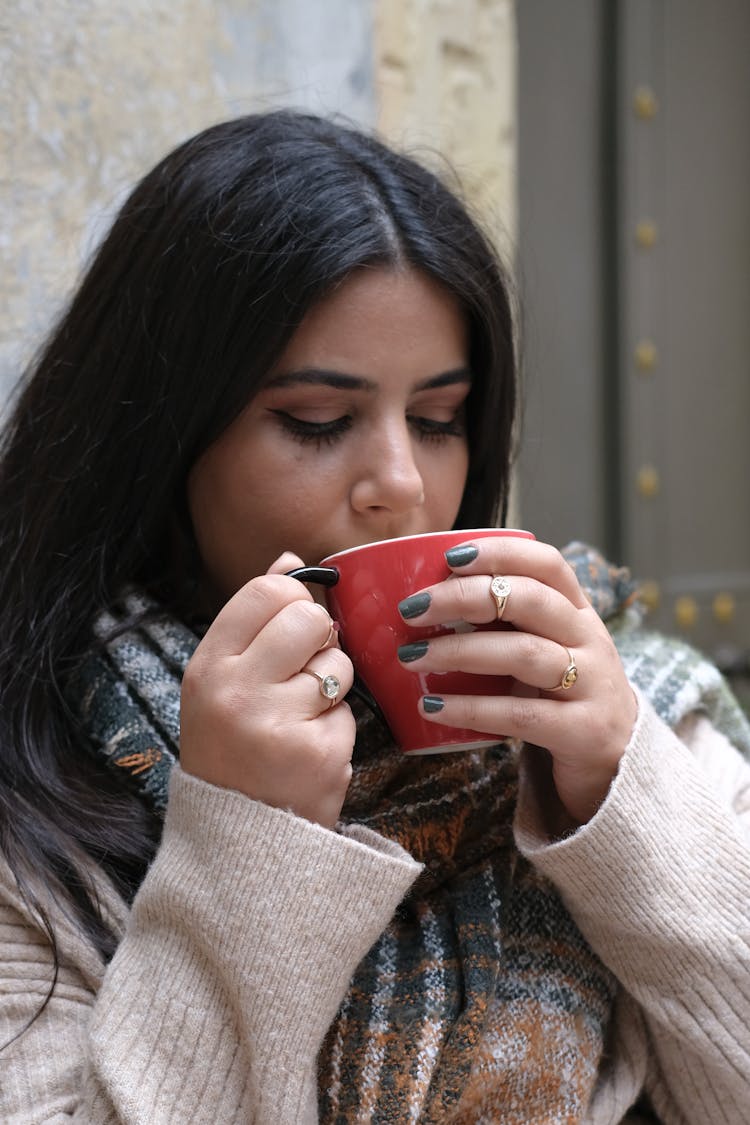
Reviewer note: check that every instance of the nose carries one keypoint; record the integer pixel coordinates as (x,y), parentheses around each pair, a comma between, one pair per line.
(388,478)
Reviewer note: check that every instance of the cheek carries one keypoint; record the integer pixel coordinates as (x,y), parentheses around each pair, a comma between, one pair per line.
(445,479)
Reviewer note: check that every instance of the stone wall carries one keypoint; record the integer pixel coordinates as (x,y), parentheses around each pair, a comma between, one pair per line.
(92,92)
(446,80)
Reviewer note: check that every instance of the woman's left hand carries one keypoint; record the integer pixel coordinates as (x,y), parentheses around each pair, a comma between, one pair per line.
(585,726)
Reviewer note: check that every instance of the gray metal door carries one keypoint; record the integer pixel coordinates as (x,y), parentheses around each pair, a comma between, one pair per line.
(635,266)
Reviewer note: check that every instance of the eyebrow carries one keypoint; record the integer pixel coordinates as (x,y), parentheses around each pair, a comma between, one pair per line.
(316,376)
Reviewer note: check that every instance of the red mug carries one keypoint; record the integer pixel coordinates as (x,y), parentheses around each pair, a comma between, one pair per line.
(364,586)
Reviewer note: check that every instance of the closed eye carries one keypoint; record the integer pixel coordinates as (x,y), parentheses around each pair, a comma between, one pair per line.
(320,433)
(331,430)
(429,429)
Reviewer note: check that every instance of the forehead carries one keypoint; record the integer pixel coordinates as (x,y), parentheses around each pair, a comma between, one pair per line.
(378,317)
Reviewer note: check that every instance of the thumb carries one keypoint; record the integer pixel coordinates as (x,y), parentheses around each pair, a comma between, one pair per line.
(286,561)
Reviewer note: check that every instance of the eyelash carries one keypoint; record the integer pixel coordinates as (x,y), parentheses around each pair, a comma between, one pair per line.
(326,433)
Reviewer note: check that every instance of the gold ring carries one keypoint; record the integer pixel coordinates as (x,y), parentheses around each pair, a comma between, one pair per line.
(329,638)
(329,686)
(500,591)
(331,627)
(569,676)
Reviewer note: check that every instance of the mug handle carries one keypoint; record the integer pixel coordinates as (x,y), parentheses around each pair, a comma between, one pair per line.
(322,575)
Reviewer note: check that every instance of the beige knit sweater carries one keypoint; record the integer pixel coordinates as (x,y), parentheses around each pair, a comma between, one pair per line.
(203,1018)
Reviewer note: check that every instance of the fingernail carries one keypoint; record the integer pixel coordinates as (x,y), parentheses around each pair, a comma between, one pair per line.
(414,651)
(432,704)
(461,556)
(414,606)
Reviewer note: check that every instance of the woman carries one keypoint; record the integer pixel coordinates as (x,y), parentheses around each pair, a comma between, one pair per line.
(295,340)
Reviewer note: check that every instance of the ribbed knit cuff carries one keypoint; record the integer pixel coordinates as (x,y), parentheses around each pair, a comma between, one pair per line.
(289,894)
(239,949)
(662,861)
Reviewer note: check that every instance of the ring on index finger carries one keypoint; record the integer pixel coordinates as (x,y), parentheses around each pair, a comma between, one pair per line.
(331,627)
(500,590)
(331,635)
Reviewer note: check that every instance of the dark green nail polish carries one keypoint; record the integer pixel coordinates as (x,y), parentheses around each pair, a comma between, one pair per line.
(461,556)
(414,606)
(407,653)
(432,703)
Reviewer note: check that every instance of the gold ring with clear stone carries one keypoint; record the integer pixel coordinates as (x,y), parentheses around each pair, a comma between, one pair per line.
(329,686)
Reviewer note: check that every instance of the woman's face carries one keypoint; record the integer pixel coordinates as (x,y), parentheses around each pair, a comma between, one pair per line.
(358,434)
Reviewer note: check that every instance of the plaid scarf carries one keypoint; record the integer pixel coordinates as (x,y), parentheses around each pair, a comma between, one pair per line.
(481,1001)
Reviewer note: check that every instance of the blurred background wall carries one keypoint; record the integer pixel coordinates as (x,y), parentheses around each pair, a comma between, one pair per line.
(93,92)
(605,144)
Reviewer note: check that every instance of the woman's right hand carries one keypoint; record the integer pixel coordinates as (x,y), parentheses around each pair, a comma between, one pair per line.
(252,720)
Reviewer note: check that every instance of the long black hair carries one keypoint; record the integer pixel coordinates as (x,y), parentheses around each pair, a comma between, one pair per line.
(207,271)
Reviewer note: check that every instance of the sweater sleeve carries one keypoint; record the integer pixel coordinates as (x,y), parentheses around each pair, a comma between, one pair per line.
(236,955)
(659,883)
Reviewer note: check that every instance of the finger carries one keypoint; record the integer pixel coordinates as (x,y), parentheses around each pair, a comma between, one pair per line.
(286,561)
(324,682)
(531,606)
(328,770)
(289,639)
(511,555)
(243,617)
(332,639)
(530,659)
(534,720)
